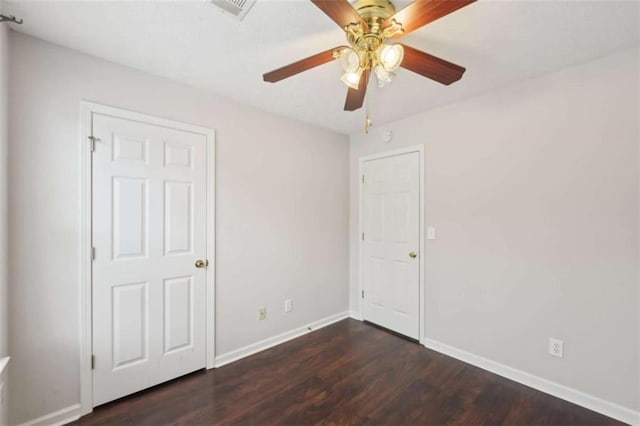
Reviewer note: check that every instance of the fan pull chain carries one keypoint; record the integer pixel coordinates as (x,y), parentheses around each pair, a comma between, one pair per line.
(367,120)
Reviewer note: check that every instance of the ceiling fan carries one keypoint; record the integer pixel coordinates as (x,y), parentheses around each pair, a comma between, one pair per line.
(368,25)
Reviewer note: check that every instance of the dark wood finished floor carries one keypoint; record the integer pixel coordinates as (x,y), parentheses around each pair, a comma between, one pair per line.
(347,373)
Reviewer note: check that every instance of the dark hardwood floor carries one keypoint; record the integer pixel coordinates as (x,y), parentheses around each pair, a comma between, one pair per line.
(347,373)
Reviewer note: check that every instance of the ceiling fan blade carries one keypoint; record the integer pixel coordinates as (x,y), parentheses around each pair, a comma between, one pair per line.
(299,66)
(355,98)
(340,11)
(430,66)
(422,12)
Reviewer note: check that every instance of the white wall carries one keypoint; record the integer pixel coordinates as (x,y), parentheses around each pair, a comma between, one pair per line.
(534,191)
(282,213)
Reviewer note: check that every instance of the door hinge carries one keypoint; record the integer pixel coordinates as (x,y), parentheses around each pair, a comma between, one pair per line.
(93,253)
(363,236)
(92,143)
(363,294)
(93,362)
(362,178)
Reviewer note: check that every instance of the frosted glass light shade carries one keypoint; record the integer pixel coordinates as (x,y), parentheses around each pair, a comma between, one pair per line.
(382,75)
(352,78)
(349,60)
(390,56)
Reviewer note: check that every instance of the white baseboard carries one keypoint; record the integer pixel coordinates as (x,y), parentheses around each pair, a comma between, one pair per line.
(355,315)
(57,418)
(577,397)
(618,412)
(73,412)
(260,346)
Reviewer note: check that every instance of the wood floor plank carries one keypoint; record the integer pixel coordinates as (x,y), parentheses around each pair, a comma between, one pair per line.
(347,373)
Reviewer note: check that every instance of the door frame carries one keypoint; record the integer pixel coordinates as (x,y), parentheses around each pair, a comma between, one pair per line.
(421,254)
(85,257)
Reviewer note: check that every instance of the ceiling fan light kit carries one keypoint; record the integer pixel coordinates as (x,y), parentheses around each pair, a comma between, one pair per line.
(384,61)
(369,25)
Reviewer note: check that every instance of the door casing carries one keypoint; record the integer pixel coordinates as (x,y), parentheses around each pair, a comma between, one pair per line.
(86,167)
(421,258)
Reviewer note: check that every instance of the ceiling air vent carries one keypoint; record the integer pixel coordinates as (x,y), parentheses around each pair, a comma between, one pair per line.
(236,8)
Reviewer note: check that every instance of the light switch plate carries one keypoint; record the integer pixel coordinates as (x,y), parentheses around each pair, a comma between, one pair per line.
(387,136)
(431,233)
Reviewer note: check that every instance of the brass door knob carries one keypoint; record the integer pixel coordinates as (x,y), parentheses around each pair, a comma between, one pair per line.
(413,255)
(201,263)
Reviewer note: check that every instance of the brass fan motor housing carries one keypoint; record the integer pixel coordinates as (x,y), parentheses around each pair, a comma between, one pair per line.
(373,13)
(374,9)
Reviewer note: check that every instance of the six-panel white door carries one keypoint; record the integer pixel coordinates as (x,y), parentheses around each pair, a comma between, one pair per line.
(149,228)
(391,215)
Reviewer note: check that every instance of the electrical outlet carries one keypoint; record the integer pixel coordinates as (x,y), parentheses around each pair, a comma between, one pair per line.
(262,313)
(556,347)
(288,305)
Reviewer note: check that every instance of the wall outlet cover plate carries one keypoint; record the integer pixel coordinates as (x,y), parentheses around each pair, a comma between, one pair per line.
(556,347)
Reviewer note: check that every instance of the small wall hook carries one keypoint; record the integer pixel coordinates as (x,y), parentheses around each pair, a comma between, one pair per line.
(10,18)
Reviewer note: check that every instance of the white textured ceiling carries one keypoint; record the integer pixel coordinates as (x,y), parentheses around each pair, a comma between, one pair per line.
(499,42)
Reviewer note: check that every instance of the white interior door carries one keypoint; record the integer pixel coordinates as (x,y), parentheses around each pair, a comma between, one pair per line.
(391,268)
(149,228)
